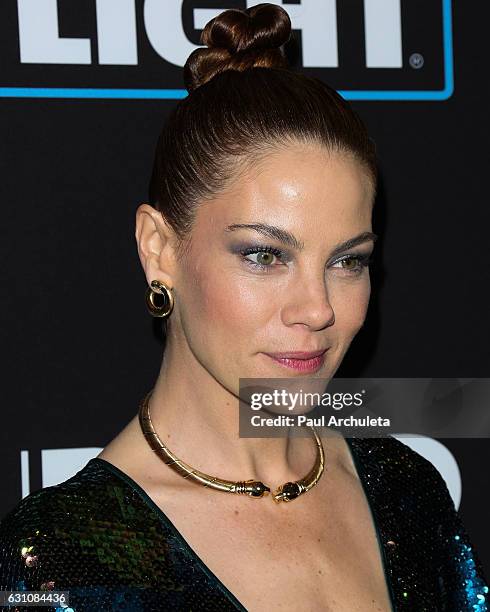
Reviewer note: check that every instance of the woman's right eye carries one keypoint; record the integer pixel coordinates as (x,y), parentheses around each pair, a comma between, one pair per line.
(264,257)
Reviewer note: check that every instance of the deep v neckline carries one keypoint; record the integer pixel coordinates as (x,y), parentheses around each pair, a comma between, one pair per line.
(168,523)
(197,559)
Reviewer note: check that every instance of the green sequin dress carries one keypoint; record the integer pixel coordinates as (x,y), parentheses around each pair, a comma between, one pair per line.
(99,536)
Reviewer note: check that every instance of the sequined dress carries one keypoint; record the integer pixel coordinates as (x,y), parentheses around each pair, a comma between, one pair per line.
(99,536)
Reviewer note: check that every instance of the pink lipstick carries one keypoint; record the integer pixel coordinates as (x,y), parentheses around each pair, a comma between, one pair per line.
(303,361)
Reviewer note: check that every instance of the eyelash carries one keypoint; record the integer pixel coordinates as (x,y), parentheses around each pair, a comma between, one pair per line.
(363,260)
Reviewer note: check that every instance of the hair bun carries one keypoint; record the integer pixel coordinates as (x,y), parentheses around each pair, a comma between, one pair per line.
(238,40)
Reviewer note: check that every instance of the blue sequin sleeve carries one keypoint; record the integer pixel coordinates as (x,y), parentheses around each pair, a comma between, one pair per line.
(96,538)
(462,575)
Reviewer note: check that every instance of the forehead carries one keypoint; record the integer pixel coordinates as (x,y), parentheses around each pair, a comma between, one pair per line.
(304,188)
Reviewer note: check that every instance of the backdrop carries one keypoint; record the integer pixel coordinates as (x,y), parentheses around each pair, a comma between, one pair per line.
(85,88)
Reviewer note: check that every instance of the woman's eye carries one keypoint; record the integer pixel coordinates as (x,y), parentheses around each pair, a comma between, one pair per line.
(353,263)
(263,258)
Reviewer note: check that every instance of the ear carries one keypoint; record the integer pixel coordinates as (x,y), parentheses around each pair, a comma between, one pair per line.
(156,242)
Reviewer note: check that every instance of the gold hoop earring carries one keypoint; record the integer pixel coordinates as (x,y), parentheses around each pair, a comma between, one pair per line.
(162,289)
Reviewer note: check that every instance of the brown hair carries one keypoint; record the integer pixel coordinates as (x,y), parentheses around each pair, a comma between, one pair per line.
(244,102)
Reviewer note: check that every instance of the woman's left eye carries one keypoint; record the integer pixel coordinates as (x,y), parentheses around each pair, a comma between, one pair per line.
(353,263)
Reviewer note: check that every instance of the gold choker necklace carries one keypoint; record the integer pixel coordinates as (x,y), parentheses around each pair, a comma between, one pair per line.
(254,488)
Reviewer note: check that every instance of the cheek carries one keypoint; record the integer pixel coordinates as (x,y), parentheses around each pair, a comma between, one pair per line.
(350,304)
(222,303)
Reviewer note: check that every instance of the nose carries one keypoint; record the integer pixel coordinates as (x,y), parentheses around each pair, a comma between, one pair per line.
(308,304)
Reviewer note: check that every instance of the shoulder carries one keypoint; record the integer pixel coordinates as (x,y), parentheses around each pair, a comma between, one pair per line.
(100,538)
(51,506)
(419,509)
(394,459)
(41,534)
(401,478)
(422,531)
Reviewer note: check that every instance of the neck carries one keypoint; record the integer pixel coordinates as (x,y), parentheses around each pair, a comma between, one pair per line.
(197,418)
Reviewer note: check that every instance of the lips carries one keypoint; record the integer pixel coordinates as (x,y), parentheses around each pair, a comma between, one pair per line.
(302,361)
(297,354)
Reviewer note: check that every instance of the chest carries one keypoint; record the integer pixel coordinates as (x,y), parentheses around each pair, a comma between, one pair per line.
(321,555)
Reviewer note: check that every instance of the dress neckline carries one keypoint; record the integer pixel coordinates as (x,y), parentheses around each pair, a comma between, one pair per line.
(352,446)
(168,523)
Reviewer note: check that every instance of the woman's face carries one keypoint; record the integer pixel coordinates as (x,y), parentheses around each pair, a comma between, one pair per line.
(236,304)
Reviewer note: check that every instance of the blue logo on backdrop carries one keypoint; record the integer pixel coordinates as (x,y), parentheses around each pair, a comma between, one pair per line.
(366,49)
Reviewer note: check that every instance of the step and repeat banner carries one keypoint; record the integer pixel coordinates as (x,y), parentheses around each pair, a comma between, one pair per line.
(85,86)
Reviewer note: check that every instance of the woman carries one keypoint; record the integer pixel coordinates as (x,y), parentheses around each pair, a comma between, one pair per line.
(256,248)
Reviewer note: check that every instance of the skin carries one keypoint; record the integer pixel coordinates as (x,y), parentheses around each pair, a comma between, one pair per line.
(227,314)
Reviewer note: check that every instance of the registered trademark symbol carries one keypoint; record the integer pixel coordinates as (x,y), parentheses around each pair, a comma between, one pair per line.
(416,60)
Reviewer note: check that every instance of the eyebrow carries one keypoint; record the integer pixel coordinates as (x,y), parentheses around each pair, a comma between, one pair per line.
(272,231)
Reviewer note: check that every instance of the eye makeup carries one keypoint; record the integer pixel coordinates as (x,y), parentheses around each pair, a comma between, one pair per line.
(363,259)
(267,249)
